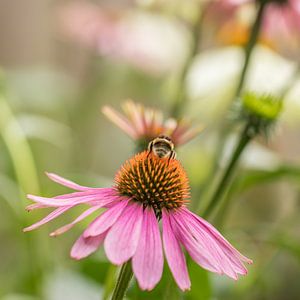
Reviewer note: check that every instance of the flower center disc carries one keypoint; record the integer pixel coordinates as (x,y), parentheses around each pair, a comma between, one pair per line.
(153,181)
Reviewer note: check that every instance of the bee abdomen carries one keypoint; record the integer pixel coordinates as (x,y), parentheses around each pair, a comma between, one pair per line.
(162,151)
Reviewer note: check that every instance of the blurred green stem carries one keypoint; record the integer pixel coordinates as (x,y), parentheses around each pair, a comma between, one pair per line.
(26,175)
(180,97)
(122,281)
(18,149)
(224,182)
(226,205)
(255,30)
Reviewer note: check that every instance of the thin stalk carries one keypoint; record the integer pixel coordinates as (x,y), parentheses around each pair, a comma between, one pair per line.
(255,30)
(122,282)
(226,205)
(254,34)
(180,97)
(222,186)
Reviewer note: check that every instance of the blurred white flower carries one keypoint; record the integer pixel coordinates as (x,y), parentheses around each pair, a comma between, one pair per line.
(149,41)
(213,76)
(63,285)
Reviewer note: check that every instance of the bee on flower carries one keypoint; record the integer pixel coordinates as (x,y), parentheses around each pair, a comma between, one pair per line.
(144,124)
(151,187)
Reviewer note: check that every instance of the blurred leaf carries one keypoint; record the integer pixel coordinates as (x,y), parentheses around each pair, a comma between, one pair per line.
(201,288)
(287,243)
(255,177)
(165,289)
(18,297)
(95,269)
(44,128)
(9,191)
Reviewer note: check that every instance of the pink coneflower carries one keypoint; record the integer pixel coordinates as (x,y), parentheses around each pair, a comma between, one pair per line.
(280,27)
(145,123)
(148,189)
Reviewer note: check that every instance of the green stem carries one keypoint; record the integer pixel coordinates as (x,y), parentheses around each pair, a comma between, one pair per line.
(122,282)
(228,172)
(226,205)
(250,45)
(180,96)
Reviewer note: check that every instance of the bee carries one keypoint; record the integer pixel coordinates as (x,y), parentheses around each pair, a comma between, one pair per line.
(162,146)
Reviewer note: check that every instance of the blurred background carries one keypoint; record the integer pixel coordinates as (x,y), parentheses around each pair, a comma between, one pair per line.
(61,61)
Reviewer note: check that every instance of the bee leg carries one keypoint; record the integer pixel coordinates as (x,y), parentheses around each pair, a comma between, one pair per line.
(171,156)
(150,147)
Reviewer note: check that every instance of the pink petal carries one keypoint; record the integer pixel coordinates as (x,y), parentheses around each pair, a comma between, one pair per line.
(122,239)
(174,254)
(96,199)
(100,192)
(67,227)
(195,248)
(119,120)
(148,261)
(54,214)
(227,258)
(220,238)
(106,220)
(83,247)
(66,182)
(35,206)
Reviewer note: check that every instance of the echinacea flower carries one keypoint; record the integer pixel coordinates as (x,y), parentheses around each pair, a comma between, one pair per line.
(143,124)
(147,190)
(280,27)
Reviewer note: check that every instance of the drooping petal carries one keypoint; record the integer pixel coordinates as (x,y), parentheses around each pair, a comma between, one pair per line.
(219,237)
(106,220)
(68,183)
(225,257)
(197,248)
(54,214)
(147,261)
(122,239)
(83,247)
(67,227)
(94,199)
(174,254)
(33,206)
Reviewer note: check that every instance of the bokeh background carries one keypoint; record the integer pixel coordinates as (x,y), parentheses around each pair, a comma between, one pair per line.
(61,61)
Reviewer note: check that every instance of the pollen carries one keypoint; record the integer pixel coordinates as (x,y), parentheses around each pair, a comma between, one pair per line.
(153,181)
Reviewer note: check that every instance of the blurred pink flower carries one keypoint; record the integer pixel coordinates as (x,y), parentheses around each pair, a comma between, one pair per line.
(129,228)
(281,23)
(151,43)
(144,123)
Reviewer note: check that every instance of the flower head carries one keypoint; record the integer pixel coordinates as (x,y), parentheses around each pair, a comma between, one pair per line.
(148,189)
(143,124)
(281,24)
(261,112)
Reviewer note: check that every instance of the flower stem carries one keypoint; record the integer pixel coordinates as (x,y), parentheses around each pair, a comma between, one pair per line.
(122,281)
(255,30)
(222,186)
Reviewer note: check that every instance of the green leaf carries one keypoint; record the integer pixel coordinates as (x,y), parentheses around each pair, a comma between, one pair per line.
(201,288)
(255,177)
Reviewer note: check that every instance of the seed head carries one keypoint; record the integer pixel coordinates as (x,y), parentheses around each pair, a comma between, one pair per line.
(153,181)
